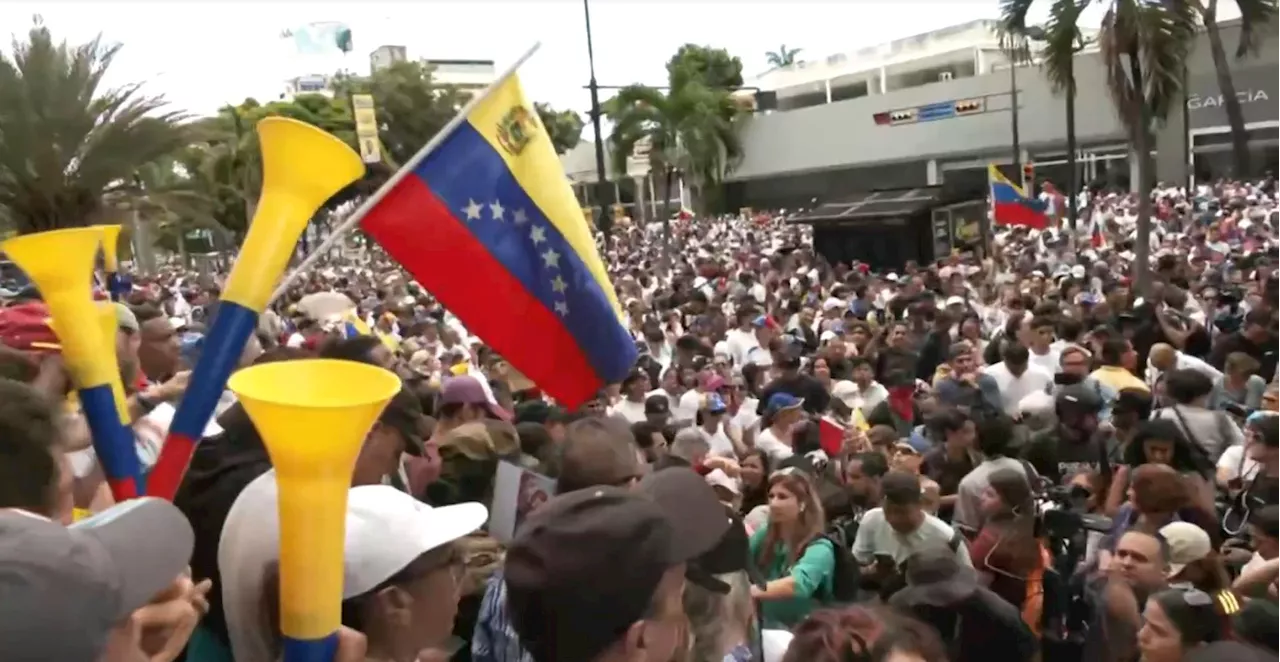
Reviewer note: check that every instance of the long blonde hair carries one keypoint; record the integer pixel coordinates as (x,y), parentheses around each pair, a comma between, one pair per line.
(709,613)
(811,522)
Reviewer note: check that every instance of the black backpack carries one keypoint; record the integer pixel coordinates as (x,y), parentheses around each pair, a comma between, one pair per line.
(845,574)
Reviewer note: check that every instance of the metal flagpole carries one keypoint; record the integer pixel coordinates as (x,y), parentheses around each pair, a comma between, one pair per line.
(368,205)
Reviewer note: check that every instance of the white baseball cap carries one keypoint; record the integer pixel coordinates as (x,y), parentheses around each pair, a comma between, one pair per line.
(1188,543)
(387,529)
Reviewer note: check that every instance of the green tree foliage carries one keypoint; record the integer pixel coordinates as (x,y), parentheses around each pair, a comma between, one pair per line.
(71,147)
(1144,48)
(563,126)
(713,67)
(410,105)
(688,129)
(783,57)
(225,163)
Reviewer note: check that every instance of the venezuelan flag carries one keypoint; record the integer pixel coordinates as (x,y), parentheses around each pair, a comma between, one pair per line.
(353,326)
(488,224)
(1011,205)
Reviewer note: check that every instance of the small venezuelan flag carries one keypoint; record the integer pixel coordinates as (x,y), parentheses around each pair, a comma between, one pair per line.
(488,224)
(1011,205)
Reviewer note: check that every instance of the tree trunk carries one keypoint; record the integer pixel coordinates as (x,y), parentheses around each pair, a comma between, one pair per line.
(669,175)
(1142,248)
(1073,179)
(1227,86)
(1140,137)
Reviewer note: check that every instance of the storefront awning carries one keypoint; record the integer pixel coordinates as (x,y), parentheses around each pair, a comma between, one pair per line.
(895,203)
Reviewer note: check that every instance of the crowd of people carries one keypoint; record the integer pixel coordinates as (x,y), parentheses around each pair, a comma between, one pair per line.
(1010,454)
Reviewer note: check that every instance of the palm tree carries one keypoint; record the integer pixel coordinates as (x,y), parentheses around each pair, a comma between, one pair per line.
(71,147)
(690,130)
(176,201)
(783,57)
(1255,18)
(1144,47)
(1062,40)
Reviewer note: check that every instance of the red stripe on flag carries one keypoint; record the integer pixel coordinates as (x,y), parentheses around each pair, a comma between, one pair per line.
(421,233)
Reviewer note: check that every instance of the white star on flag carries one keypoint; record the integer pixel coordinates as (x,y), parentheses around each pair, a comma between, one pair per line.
(552,258)
(559,285)
(495,208)
(562,308)
(538,234)
(520,217)
(472,210)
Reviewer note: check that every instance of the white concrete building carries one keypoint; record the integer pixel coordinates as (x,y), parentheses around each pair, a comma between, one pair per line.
(960,51)
(384,56)
(307,84)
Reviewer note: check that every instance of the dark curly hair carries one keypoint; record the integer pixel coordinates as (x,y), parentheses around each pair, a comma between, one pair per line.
(862,633)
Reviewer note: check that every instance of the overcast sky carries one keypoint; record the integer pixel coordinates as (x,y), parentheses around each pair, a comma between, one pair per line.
(203,55)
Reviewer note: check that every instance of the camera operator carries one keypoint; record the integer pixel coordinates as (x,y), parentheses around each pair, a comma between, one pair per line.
(1075,443)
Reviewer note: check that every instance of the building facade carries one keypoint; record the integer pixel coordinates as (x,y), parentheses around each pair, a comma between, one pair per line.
(308,84)
(385,56)
(936,109)
(466,75)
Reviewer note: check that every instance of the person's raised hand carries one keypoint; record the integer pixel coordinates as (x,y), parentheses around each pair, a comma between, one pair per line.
(175,387)
(52,377)
(164,627)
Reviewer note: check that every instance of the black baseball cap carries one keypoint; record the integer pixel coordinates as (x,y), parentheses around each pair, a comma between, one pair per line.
(1081,397)
(586,565)
(657,404)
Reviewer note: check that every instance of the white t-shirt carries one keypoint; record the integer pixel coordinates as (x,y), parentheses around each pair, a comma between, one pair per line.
(1050,360)
(876,537)
(720,443)
(769,444)
(1013,389)
(1235,464)
(632,411)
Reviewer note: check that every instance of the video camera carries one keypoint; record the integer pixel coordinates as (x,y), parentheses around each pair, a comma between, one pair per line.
(1063,513)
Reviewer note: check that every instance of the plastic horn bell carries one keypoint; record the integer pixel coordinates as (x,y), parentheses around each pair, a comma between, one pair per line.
(60,264)
(116,287)
(302,168)
(313,416)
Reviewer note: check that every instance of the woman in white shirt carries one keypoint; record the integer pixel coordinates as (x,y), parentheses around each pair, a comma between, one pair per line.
(711,423)
(781,413)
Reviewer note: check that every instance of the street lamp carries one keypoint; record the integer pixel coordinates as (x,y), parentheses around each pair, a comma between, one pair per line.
(602,185)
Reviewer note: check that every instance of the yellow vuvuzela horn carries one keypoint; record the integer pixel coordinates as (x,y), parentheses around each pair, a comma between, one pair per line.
(313,416)
(302,167)
(60,264)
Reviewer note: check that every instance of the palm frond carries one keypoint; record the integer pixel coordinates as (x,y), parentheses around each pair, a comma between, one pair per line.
(70,142)
(1257,20)
(1061,42)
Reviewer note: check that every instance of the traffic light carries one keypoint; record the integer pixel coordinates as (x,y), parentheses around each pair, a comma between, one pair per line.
(1028,175)
(970,106)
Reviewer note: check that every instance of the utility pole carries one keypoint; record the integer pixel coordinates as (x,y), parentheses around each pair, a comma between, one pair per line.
(605,222)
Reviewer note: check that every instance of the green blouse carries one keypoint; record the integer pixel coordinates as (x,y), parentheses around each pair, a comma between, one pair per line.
(812,573)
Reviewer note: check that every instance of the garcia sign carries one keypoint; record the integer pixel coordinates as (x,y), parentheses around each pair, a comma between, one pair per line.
(1196,102)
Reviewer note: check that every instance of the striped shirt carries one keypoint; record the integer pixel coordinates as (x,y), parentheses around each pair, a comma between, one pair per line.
(495,639)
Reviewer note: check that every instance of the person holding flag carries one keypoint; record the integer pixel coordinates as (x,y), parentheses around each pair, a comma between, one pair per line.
(1010,204)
